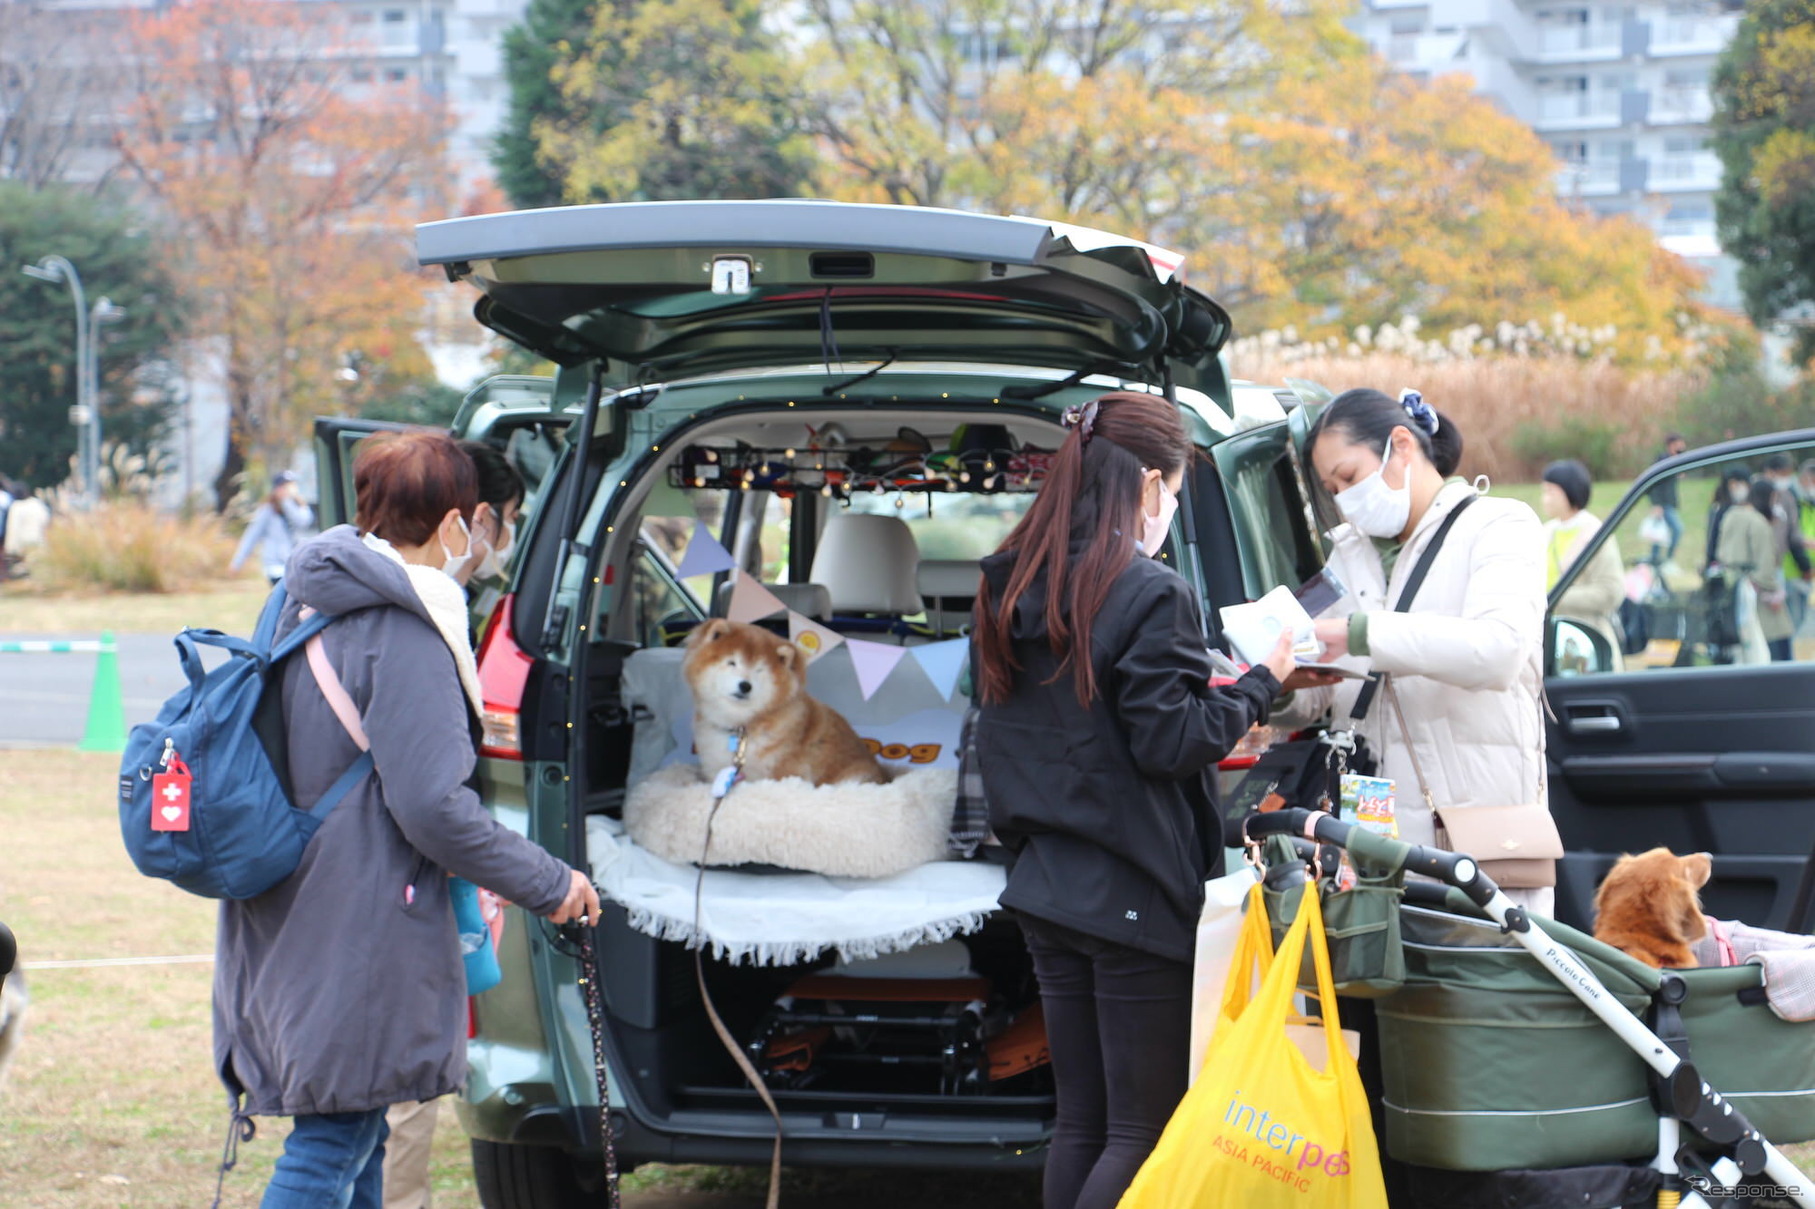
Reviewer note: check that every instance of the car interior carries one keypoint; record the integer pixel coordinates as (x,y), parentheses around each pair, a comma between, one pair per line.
(871,524)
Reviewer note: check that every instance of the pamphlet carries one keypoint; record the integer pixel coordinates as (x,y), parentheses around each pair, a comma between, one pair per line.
(1368,803)
(1253,629)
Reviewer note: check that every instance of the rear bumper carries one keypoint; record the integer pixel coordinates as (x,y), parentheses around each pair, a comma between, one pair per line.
(970,1146)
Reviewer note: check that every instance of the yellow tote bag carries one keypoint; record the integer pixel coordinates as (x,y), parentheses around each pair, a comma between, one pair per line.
(1263,1128)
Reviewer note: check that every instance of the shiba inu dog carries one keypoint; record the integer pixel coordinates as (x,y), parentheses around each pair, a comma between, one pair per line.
(750,686)
(1649,906)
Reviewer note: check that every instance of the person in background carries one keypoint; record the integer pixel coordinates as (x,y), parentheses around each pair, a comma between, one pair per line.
(341,991)
(1593,597)
(412,1123)
(1098,735)
(1743,546)
(1664,502)
(1787,523)
(276,529)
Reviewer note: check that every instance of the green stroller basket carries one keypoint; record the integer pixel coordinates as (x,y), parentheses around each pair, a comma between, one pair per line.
(1490,1063)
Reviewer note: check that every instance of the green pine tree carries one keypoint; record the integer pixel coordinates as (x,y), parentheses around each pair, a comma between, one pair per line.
(546,37)
(115,256)
(1764,122)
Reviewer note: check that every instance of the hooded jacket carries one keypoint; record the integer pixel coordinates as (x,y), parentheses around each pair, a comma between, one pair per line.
(342,988)
(1466,658)
(1109,810)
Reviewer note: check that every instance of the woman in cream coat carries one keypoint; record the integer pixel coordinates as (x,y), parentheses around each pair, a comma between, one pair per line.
(1466,658)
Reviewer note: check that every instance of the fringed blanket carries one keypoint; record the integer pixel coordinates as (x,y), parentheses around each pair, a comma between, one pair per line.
(787,918)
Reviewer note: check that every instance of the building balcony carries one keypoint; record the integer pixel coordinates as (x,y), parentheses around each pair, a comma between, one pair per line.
(1598,179)
(1692,35)
(1681,109)
(1578,111)
(1687,173)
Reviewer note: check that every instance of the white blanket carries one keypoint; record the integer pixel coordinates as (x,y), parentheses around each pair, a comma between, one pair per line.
(787,918)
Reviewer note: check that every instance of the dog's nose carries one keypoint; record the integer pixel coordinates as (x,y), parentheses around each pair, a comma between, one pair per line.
(743,688)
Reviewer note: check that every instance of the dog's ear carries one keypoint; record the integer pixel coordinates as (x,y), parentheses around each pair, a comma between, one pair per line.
(791,656)
(1610,883)
(717,628)
(1698,867)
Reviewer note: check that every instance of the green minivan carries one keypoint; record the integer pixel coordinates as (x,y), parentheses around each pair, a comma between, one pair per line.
(743,380)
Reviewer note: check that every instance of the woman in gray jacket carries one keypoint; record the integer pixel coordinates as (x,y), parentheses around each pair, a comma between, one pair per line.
(341,990)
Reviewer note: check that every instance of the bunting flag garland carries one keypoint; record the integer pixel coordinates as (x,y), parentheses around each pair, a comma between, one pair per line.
(873,662)
(704,556)
(943,663)
(810,636)
(750,601)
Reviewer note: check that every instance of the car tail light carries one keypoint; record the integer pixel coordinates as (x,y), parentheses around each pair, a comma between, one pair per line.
(503,677)
(472,1018)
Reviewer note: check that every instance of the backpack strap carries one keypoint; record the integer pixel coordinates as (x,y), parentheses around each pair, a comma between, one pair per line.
(341,702)
(1365,700)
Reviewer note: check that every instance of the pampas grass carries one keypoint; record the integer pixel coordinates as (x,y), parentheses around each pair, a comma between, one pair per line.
(1495,399)
(126,546)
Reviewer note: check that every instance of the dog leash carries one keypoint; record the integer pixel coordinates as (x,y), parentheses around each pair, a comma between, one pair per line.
(722,785)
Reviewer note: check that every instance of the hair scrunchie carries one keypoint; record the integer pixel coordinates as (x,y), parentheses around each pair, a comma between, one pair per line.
(1084,419)
(1422,413)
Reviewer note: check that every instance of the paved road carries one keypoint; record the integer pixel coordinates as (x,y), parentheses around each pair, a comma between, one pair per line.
(44,698)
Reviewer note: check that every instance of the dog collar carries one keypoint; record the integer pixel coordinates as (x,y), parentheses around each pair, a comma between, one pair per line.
(738,743)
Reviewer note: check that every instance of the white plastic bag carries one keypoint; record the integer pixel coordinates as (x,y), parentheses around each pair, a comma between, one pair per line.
(1218,928)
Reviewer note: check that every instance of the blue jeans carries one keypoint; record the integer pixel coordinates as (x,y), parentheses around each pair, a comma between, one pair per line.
(331,1161)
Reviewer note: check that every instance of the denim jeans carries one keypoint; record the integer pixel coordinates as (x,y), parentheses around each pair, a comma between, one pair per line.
(331,1161)
(1118,1024)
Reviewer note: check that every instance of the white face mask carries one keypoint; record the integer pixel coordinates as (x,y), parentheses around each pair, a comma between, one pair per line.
(1155,528)
(1373,507)
(453,563)
(492,565)
(1740,495)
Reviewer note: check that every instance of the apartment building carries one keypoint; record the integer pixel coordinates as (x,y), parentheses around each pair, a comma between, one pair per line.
(452,49)
(1620,92)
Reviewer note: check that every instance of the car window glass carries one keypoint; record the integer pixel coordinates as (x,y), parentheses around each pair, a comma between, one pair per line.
(951,525)
(1690,577)
(1267,496)
(660,602)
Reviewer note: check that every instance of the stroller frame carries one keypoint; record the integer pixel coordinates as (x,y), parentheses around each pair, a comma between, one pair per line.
(1692,1104)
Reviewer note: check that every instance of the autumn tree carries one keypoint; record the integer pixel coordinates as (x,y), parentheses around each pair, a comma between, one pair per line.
(1764,89)
(674,99)
(117,259)
(289,203)
(1309,183)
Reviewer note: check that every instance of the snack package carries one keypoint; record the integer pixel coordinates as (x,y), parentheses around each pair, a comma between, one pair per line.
(1367,802)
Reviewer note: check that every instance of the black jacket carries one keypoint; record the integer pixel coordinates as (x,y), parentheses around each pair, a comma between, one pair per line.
(1110,810)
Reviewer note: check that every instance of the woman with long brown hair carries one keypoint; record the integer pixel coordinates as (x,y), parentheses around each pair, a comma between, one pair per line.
(1097,739)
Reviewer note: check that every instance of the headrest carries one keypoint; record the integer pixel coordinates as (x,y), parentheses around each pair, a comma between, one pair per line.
(949,578)
(809,600)
(868,564)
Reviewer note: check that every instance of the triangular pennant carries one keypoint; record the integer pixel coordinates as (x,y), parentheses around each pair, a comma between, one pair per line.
(750,601)
(873,662)
(705,556)
(810,636)
(943,662)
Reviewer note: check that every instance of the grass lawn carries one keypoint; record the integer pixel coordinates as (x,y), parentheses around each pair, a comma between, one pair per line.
(111,1102)
(231,606)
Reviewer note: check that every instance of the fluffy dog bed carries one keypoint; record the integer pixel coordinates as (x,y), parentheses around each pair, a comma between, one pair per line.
(838,830)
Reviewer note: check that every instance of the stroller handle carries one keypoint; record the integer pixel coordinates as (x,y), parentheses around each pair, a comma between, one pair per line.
(1456,869)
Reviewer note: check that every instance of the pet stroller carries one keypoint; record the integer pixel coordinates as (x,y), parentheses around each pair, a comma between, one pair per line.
(1526,1064)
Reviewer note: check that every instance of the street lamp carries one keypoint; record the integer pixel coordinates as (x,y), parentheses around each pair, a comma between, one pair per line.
(55,269)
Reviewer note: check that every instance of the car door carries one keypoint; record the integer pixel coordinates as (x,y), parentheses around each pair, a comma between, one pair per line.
(1694,742)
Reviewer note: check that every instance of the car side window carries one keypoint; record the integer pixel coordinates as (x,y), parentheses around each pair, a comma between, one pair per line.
(1711,567)
(1268,496)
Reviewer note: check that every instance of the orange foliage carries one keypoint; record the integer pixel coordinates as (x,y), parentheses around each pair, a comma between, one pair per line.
(289,201)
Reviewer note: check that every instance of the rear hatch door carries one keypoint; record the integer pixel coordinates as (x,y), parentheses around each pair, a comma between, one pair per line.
(659,290)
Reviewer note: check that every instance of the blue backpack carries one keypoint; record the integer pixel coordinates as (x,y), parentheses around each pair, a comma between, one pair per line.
(201,802)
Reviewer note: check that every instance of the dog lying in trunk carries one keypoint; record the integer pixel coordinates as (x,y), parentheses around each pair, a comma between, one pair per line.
(748,682)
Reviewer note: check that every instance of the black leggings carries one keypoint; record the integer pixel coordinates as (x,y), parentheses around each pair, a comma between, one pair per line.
(1118,1024)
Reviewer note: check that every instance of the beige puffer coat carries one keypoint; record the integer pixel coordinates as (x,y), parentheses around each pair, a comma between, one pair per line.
(1466,659)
